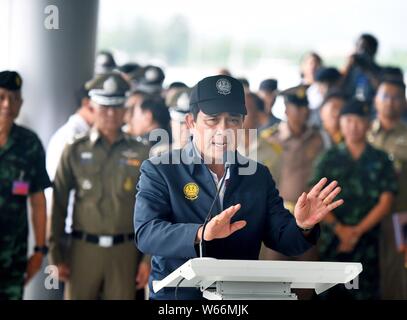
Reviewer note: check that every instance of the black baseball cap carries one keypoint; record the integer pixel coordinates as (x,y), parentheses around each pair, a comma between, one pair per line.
(356,107)
(217,94)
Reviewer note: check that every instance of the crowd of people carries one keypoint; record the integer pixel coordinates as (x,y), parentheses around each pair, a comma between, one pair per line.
(348,125)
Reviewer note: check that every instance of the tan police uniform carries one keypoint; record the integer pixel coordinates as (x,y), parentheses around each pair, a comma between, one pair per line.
(102,256)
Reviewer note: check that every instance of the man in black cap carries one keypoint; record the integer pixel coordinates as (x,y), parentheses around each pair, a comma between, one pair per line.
(176,189)
(102,167)
(23,177)
(351,232)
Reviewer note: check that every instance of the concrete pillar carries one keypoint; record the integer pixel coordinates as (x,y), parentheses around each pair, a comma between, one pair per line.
(52,44)
(53,62)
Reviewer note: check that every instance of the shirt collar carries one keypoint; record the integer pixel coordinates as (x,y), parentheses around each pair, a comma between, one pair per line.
(95,136)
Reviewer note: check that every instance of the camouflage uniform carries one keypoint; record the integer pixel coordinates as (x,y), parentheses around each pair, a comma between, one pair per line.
(22,158)
(394,273)
(362,182)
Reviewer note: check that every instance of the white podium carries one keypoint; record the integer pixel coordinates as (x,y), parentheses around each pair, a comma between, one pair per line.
(258,279)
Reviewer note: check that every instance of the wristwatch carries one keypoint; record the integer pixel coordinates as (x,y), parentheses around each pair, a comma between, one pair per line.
(304,229)
(42,249)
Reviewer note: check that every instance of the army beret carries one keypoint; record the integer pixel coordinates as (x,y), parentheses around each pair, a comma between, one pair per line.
(10,80)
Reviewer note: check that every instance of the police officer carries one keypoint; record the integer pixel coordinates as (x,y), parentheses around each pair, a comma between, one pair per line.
(297,143)
(176,190)
(351,232)
(179,108)
(152,81)
(23,177)
(102,167)
(389,134)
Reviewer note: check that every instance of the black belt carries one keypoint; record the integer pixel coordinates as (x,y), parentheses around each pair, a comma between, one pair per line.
(105,241)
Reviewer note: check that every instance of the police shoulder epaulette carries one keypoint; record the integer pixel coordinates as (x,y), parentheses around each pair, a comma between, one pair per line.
(78,137)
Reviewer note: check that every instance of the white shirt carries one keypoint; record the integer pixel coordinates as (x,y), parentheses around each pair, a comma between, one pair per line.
(75,125)
(216,180)
(223,189)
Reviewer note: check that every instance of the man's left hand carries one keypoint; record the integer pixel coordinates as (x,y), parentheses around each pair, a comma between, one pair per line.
(311,208)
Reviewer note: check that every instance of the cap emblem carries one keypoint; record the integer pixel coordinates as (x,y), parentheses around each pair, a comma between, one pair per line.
(110,86)
(224,86)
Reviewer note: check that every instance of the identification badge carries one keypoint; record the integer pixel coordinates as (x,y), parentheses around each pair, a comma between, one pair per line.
(86,157)
(20,187)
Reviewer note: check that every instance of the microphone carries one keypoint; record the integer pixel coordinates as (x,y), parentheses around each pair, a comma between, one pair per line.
(227,155)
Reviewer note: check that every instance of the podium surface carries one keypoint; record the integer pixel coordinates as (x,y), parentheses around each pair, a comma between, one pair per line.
(258,279)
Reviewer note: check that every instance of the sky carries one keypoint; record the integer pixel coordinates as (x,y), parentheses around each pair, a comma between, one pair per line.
(324,25)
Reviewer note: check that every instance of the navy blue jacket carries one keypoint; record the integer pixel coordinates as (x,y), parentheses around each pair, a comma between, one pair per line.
(166,220)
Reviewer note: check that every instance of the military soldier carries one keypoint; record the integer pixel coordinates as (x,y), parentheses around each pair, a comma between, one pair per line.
(389,134)
(23,176)
(102,167)
(351,232)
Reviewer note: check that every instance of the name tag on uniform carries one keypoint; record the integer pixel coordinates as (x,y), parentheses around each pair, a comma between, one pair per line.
(20,188)
(86,157)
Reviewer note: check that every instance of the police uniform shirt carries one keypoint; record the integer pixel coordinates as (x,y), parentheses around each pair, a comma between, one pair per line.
(104,178)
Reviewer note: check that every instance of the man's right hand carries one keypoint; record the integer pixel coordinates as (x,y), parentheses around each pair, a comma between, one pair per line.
(220,226)
(63,272)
